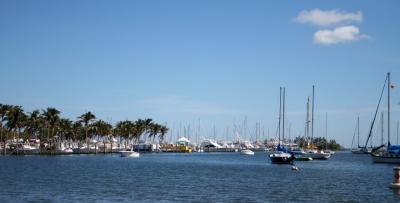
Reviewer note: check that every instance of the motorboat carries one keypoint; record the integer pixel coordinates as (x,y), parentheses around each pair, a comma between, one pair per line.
(246,152)
(129,154)
(317,154)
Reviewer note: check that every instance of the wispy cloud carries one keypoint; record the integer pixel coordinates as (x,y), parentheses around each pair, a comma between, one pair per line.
(328,18)
(342,34)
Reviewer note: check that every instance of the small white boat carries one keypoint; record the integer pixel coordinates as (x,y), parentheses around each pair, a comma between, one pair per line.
(129,154)
(29,149)
(330,152)
(67,150)
(315,154)
(246,152)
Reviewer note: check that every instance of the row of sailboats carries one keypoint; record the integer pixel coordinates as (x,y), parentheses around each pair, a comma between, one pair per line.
(385,153)
(287,156)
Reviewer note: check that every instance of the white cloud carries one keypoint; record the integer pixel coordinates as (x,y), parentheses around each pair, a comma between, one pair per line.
(328,18)
(338,35)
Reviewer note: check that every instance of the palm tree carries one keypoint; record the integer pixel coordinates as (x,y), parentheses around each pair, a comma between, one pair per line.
(65,130)
(154,129)
(51,118)
(103,129)
(142,126)
(33,124)
(15,121)
(86,119)
(77,133)
(4,108)
(163,132)
(124,129)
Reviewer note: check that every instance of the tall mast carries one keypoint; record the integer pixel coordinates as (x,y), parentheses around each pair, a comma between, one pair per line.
(358,131)
(307,134)
(283,115)
(326,129)
(312,117)
(388,116)
(279,119)
(382,128)
(397,132)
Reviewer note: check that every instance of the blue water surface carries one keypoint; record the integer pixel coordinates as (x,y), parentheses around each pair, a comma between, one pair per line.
(196,177)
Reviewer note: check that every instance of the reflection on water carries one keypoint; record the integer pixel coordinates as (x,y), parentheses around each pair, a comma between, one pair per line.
(205,177)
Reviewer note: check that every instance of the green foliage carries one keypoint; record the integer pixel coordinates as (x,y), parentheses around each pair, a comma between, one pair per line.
(48,124)
(319,142)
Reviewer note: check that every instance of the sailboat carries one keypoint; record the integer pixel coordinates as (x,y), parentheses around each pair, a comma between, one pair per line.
(392,152)
(359,149)
(312,152)
(282,155)
(300,153)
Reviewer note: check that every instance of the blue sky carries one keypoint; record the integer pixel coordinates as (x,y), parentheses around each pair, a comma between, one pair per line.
(217,61)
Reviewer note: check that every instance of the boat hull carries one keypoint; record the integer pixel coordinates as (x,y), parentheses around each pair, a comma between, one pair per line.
(247,152)
(391,159)
(303,159)
(361,151)
(129,154)
(281,158)
(318,156)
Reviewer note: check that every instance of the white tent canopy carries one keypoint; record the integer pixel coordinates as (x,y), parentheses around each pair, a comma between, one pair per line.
(183,139)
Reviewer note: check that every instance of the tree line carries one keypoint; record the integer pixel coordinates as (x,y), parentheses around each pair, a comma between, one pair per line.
(320,142)
(49,127)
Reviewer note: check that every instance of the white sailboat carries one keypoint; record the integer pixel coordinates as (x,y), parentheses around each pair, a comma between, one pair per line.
(392,152)
(314,153)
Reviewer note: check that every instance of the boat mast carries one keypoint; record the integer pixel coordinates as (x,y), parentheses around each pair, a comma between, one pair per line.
(376,113)
(358,131)
(326,129)
(307,134)
(279,118)
(397,132)
(388,116)
(283,115)
(312,118)
(381,128)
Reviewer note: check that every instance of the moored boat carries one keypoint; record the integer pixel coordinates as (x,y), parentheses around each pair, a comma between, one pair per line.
(317,154)
(361,151)
(281,156)
(392,152)
(246,152)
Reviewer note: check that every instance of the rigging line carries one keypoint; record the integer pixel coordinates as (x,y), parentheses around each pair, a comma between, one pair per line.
(376,112)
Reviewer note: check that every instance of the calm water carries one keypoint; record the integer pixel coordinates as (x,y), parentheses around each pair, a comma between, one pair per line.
(205,177)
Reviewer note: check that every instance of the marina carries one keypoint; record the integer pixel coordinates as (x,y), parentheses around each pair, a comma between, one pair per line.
(177,101)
